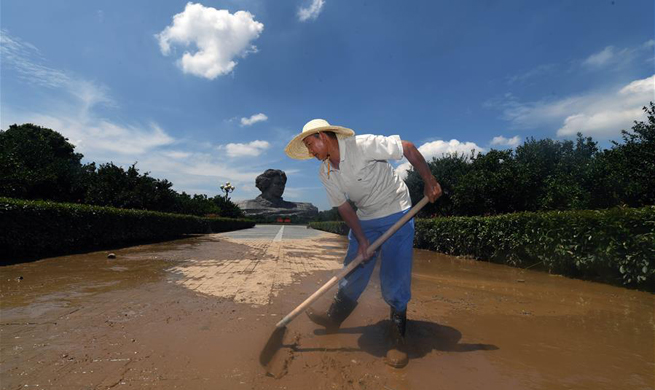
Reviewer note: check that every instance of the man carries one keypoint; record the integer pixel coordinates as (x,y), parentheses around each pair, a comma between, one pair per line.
(356,168)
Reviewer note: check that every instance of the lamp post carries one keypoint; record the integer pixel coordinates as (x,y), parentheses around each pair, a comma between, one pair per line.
(227,188)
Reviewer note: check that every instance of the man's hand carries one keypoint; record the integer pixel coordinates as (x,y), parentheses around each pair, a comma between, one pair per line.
(432,189)
(350,217)
(363,249)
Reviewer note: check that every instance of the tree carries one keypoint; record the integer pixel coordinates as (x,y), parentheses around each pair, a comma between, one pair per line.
(227,208)
(537,160)
(39,163)
(629,168)
(490,186)
(571,183)
(448,170)
(111,185)
(328,215)
(198,204)
(333,213)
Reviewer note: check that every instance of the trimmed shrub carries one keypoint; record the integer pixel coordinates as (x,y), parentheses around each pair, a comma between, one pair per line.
(337,227)
(221,224)
(42,228)
(615,246)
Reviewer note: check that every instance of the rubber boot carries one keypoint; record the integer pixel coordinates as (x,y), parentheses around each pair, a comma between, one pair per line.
(397,355)
(340,309)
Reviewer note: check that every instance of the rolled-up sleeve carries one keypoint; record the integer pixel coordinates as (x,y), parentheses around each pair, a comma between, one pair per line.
(378,147)
(336,196)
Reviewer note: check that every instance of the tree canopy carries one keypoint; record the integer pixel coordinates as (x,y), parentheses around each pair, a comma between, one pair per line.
(547,175)
(39,163)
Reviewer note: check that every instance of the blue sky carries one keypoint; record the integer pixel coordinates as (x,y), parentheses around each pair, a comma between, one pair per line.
(209,92)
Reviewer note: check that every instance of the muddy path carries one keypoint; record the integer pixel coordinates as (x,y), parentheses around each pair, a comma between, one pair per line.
(195,314)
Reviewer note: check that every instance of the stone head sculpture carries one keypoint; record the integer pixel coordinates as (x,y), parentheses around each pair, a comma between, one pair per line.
(271,183)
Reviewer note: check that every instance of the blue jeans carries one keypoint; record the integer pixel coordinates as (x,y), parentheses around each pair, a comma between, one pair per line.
(396,266)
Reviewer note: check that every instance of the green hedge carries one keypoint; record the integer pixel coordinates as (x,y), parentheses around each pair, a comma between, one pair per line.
(615,246)
(42,228)
(338,227)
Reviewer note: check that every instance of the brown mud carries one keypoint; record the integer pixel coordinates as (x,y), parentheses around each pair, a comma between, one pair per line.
(196,313)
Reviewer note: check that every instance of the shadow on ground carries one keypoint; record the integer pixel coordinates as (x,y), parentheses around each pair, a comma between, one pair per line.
(422,338)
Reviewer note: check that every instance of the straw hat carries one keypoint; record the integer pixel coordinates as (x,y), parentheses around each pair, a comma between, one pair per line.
(296,148)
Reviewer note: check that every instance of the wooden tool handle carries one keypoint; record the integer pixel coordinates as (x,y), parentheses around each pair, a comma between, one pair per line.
(341,274)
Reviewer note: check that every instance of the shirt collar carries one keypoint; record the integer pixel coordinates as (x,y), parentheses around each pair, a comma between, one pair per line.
(342,155)
(342,150)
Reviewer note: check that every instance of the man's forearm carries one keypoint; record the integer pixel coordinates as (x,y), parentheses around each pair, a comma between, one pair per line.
(432,189)
(351,219)
(416,159)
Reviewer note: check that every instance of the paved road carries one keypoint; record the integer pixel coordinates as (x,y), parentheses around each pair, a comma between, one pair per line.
(274,232)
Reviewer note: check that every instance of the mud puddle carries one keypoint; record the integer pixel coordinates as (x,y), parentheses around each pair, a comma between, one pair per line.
(195,314)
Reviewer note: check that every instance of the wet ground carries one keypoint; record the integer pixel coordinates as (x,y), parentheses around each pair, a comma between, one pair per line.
(196,313)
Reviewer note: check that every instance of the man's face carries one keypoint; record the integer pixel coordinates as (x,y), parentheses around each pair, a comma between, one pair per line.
(316,146)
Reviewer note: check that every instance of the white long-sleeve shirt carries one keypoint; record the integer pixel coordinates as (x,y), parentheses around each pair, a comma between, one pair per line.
(366,177)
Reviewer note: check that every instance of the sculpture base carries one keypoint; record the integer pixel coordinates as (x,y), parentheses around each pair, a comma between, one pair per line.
(269,211)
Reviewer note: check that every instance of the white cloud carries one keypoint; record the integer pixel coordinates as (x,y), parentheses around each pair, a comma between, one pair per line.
(640,87)
(601,58)
(616,59)
(199,172)
(28,62)
(176,154)
(502,141)
(187,166)
(253,119)
(527,115)
(25,59)
(97,138)
(439,149)
(606,116)
(218,35)
(70,110)
(601,114)
(600,124)
(312,11)
(254,148)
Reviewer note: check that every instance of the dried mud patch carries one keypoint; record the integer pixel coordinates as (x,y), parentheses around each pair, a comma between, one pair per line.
(260,270)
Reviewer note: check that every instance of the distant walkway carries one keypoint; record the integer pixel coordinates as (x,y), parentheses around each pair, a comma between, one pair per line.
(265,232)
